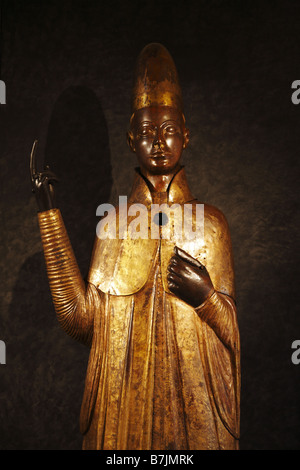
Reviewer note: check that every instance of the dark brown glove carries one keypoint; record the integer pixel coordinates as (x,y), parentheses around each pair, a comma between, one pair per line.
(42,183)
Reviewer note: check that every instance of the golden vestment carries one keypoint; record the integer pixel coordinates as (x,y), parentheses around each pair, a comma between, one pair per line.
(161,374)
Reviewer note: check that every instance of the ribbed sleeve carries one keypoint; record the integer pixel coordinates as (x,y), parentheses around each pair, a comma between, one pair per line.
(74,301)
(219,312)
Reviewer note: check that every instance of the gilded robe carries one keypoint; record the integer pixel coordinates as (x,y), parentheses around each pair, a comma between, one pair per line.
(161,374)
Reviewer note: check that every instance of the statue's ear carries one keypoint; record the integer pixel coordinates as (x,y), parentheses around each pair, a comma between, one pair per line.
(130,141)
(186,137)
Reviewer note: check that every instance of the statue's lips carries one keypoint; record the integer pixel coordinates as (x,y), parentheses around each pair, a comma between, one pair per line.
(160,155)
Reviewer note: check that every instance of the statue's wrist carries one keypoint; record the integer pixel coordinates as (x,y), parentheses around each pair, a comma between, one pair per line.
(45,202)
(205,301)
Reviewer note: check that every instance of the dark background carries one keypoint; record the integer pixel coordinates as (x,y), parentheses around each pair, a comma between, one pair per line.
(68,69)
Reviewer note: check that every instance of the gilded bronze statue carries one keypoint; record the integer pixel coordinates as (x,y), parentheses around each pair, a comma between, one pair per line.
(158,313)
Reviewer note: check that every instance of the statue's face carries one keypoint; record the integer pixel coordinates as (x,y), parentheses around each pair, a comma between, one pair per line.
(158,136)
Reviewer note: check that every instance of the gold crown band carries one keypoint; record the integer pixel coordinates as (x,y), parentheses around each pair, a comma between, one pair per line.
(156,98)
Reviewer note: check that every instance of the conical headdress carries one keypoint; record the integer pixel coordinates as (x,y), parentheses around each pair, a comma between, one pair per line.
(156,80)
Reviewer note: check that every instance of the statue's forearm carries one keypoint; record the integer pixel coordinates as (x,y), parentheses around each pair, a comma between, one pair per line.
(70,295)
(219,312)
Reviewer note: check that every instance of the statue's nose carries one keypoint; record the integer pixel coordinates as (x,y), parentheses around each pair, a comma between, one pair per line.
(159,139)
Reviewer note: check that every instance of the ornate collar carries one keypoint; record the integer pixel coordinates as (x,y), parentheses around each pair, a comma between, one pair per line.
(178,191)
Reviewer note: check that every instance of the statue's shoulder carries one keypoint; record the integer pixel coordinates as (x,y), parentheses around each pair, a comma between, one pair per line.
(212,212)
(214,217)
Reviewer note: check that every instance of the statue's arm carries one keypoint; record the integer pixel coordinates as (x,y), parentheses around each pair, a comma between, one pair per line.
(209,292)
(218,310)
(74,300)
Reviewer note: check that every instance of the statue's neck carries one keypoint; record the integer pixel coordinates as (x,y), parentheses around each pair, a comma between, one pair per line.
(158,183)
(175,191)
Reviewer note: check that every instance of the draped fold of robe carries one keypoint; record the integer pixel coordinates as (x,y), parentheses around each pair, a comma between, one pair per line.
(161,374)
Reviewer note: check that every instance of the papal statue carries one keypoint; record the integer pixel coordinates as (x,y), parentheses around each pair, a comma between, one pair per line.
(157,311)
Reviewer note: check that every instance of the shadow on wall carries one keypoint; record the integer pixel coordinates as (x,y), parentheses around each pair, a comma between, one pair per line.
(45,378)
(77,149)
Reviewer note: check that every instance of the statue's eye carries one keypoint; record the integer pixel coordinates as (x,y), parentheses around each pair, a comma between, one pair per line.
(171,129)
(146,131)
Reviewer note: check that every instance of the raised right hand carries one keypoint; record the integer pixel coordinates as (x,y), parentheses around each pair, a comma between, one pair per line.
(42,183)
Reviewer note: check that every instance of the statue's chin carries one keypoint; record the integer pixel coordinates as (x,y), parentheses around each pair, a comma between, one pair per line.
(160,166)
